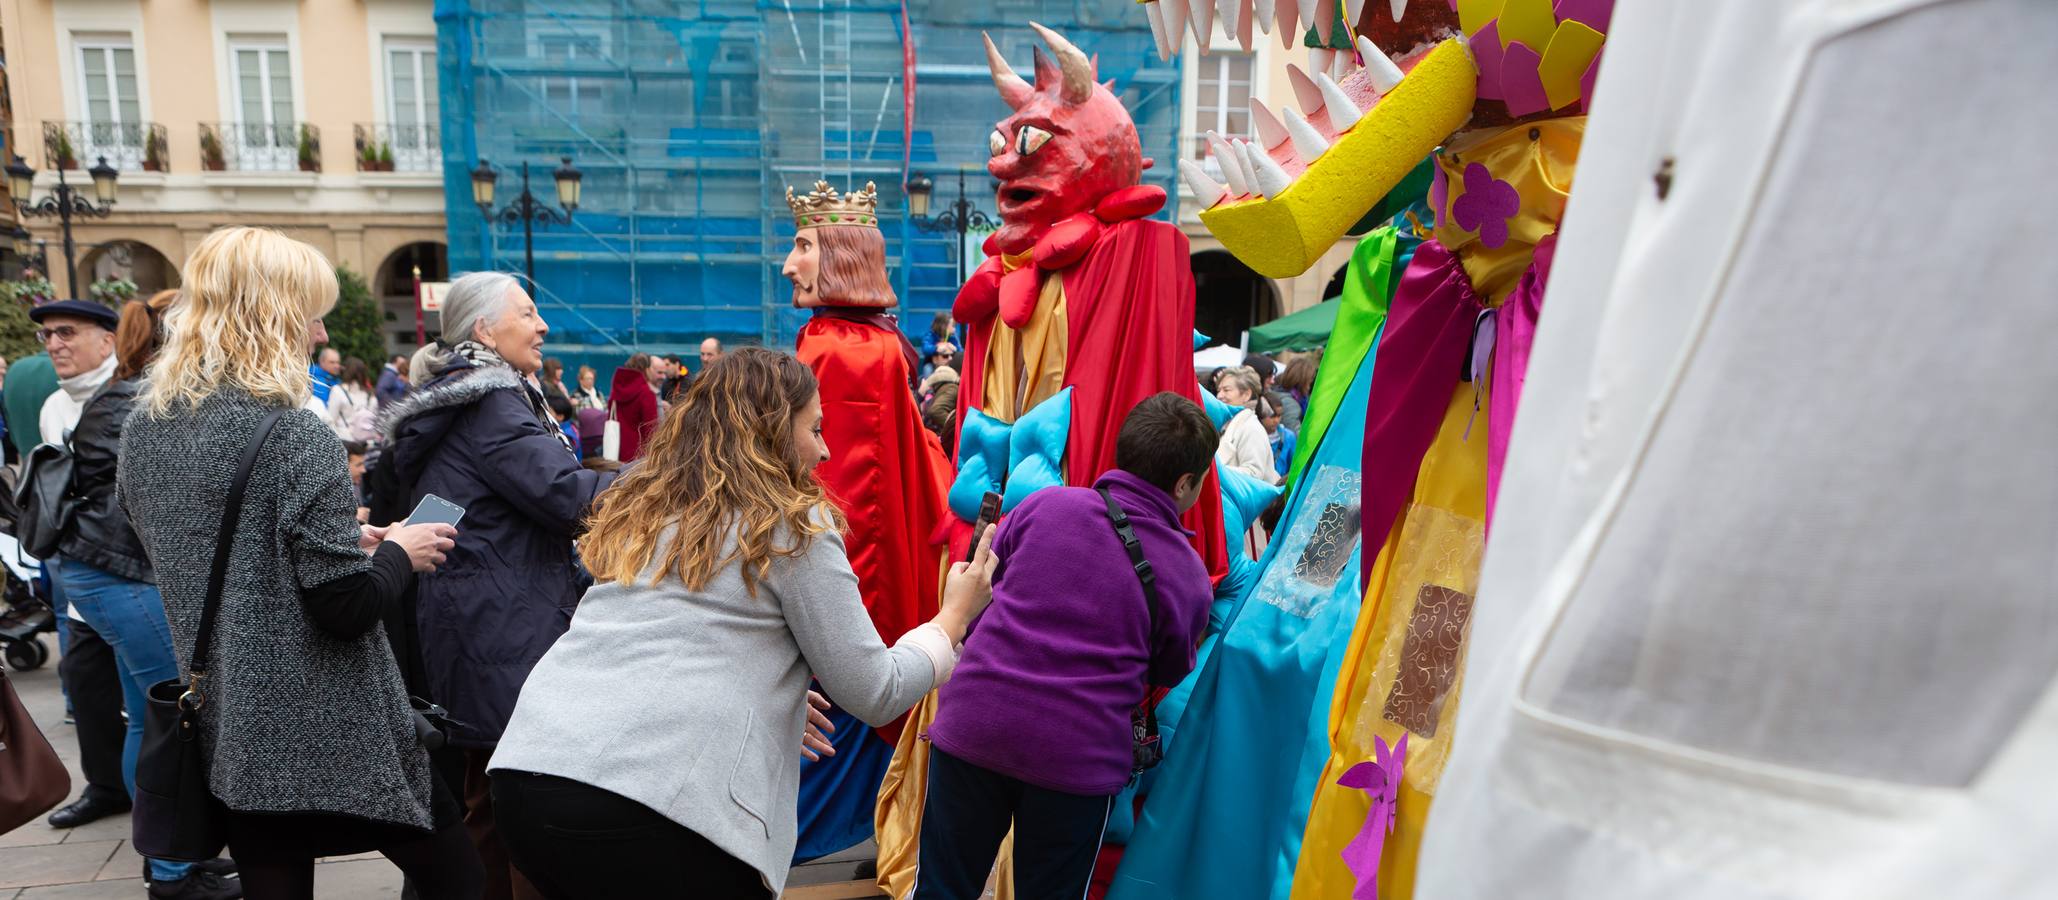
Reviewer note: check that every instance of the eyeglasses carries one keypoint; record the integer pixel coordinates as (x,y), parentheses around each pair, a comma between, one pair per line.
(65,333)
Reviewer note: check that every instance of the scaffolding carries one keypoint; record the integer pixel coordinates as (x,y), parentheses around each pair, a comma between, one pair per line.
(689,119)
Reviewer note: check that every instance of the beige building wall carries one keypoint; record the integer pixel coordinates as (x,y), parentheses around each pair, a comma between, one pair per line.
(184,63)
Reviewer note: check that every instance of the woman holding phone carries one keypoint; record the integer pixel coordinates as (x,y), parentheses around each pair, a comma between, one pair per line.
(720,590)
(306,729)
(477,435)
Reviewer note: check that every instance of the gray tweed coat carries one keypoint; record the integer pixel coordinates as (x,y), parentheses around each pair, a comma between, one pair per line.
(296,720)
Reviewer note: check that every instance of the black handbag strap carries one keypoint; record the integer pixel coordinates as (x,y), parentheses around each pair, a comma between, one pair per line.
(232,515)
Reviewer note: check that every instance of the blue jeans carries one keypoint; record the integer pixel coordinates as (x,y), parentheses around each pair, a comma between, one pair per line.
(130,616)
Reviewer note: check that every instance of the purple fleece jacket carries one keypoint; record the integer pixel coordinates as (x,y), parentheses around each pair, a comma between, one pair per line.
(1053,668)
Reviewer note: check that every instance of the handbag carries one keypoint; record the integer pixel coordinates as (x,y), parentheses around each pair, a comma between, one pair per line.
(611,437)
(32,778)
(1145,750)
(43,498)
(176,816)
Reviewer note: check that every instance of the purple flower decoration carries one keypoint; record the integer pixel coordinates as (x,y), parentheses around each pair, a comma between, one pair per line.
(1486,206)
(1381,779)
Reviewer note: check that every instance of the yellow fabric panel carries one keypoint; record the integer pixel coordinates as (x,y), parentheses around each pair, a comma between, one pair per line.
(1426,573)
(897,821)
(1540,170)
(1027,367)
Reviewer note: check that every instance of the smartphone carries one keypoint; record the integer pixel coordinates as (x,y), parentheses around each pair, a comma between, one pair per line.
(434,510)
(989,513)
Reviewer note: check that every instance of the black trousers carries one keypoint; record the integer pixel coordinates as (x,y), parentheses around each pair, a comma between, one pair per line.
(575,841)
(969,809)
(90,674)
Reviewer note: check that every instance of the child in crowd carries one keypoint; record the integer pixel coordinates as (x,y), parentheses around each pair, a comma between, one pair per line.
(356,451)
(1034,729)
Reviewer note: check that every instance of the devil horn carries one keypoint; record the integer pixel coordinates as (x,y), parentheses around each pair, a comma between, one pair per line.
(1012,88)
(1078,70)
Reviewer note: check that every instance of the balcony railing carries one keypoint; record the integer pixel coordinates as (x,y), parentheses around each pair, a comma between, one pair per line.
(404,147)
(128,146)
(260,147)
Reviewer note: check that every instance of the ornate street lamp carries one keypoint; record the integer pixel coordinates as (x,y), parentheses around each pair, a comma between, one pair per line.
(64,202)
(525,208)
(961,217)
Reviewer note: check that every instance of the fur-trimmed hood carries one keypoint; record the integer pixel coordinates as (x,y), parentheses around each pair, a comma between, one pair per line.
(410,430)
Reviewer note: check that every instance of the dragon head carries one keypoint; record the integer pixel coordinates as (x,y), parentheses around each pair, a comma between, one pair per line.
(1068,144)
(1389,83)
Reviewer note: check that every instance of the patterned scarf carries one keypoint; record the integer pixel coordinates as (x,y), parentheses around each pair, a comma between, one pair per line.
(482,356)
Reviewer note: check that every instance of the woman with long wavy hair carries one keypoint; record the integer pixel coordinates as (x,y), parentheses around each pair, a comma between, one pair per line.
(652,747)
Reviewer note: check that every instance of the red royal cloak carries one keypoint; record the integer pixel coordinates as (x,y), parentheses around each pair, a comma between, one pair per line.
(885,471)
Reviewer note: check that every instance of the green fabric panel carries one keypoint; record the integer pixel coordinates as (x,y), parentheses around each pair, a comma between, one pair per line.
(1304,330)
(29,382)
(1367,288)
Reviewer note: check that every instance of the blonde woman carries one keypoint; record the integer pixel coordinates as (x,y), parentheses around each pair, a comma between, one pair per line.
(654,742)
(307,730)
(1245,446)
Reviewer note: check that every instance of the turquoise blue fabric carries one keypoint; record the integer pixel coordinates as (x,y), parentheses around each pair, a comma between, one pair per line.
(1036,449)
(1223,815)
(1031,453)
(1200,340)
(1217,410)
(982,457)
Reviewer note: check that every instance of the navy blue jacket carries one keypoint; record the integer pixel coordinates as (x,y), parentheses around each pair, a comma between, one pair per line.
(507,590)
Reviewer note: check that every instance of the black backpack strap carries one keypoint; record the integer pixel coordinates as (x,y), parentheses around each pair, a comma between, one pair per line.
(232,515)
(1144,573)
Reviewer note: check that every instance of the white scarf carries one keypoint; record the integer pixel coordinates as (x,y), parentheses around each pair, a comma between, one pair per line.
(82,386)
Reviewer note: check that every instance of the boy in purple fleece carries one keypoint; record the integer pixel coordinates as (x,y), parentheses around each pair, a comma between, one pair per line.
(1033,728)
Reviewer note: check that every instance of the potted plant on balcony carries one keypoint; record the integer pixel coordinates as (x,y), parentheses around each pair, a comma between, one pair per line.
(385,157)
(59,146)
(310,160)
(211,157)
(154,152)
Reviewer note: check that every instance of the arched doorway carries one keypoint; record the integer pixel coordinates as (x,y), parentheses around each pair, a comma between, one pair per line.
(131,260)
(1229,298)
(393,283)
(1335,286)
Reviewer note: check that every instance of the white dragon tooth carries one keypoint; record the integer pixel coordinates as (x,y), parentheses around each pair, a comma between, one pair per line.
(1308,143)
(1343,111)
(1243,162)
(1157,30)
(1242,27)
(1308,11)
(1175,22)
(1206,190)
(1340,65)
(1320,59)
(1225,13)
(1231,161)
(1263,17)
(1310,97)
(1200,17)
(1265,124)
(1272,179)
(1398,7)
(1352,10)
(1384,74)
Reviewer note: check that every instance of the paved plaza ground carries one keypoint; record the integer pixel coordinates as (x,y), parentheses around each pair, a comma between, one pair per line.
(95,862)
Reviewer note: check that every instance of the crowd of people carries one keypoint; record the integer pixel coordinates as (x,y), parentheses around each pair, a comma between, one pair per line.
(426,691)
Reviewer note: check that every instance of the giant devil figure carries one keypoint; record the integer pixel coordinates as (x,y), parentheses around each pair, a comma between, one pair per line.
(1083,308)
(885,471)
(1346,656)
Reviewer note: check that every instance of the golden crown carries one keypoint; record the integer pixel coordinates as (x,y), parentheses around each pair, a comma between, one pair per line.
(823,206)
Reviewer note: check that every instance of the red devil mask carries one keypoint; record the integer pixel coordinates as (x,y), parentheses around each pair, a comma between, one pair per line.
(1069,143)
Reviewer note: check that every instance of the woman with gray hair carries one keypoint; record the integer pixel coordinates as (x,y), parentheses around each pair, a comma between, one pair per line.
(478,435)
(1245,446)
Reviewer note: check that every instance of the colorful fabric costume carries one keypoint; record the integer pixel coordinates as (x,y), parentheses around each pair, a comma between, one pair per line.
(1496,90)
(885,472)
(1081,310)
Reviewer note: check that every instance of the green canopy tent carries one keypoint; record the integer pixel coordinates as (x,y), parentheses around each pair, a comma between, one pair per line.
(1304,330)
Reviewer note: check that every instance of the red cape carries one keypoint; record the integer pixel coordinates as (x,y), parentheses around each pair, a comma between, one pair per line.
(1129,317)
(885,471)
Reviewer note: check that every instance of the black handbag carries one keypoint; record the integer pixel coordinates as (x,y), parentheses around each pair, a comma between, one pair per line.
(43,499)
(1145,750)
(176,816)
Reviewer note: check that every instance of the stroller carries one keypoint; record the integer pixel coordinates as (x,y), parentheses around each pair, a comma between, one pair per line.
(27,613)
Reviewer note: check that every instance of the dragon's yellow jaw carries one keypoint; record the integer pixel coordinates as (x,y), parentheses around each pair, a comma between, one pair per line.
(1289,202)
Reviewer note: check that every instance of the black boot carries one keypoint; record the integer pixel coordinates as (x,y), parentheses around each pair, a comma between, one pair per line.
(92,806)
(199,884)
